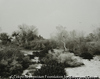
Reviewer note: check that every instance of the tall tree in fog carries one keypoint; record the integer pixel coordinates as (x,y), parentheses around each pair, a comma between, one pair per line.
(26,33)
(61,36)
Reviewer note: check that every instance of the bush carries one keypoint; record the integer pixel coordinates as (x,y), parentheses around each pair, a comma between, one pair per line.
(12,62)
(88,49)
(69,60)
(97,51)
(26,46)
(97,48)
(44,52)
(51,55)
(87,55)
(85,50)
(53,68)
(66,58)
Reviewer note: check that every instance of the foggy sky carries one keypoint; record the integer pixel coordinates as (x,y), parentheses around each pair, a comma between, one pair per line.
(47,14)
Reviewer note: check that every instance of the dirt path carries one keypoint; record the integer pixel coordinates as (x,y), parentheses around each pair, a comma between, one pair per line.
(91,68)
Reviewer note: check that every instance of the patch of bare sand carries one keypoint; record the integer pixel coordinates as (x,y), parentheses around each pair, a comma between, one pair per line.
(91,68)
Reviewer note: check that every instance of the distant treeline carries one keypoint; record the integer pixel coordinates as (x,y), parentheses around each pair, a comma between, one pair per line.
(73,41)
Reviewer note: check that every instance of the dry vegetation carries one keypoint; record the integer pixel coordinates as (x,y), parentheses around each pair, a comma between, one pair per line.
(64,48)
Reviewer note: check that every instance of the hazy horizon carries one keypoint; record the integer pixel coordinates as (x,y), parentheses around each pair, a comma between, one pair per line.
(80,15)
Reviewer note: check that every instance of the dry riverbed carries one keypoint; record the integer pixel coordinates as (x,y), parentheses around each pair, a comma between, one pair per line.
(91,68)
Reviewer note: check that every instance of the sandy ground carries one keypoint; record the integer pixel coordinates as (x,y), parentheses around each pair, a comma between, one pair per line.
(29,52)
(91,68)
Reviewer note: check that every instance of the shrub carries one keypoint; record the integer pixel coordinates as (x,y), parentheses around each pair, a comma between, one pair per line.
(97,51)
(26,46)
(85,50)
(43,53)
(53,68)
(88,49)
(5,38)
(66,58)
(97,48)
(87,55)
(51,55)
(12,62)
(69,60)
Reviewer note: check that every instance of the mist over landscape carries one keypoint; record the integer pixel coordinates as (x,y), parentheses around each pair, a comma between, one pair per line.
(49,38)
(47,14)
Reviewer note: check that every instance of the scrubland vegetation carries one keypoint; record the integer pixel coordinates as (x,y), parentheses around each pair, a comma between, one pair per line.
(12,62)
(64,49)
